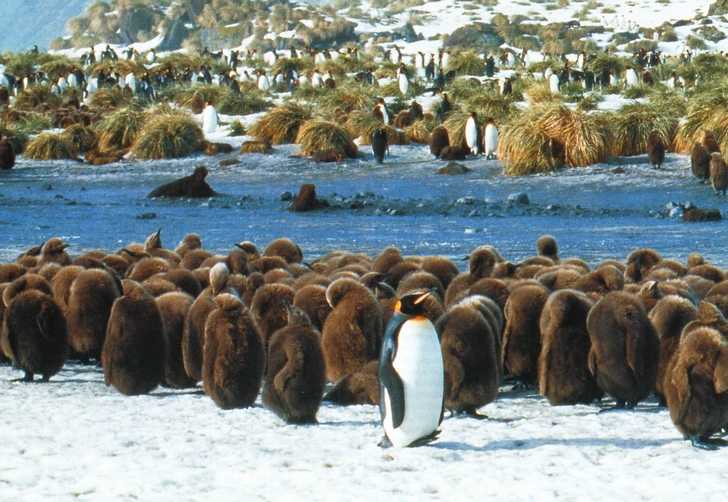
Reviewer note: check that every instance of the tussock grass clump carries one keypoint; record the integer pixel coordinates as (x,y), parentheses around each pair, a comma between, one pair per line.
(211,93)
(168,137)
(633,123)
(61,65)
(280,125)
(49,146)
(108,98)
(237,129)
(540,92)
(251,100)
(550,135)
(34,122)
(83,138)
(707,110)
(420,131)
(636,91)
(362,124)
(466,63)
(318,135)
(119,131)
(349,96)
(37,94)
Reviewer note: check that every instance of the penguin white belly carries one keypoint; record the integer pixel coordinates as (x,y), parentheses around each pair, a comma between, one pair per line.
(403,84)
(491,140)
(631,77)
(554,83)
(209,120)
(418,362)
(471,136)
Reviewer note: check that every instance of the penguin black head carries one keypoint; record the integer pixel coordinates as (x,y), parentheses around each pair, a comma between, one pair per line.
(413,303)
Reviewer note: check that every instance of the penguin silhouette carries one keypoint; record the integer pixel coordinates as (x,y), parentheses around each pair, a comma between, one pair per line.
(696,387)
(411,375)
(380,146)
(296,375)
(34,334)
(625,350)
(134,352)
(234,356)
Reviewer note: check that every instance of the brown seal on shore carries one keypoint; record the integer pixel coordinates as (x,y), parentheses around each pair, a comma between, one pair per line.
(190,186)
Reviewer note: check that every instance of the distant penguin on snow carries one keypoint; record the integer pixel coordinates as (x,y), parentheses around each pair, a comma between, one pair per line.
(411,375)
(210,119)
(380,146)
(491,139)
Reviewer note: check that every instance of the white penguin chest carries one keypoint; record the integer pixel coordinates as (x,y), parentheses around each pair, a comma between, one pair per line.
(418,363)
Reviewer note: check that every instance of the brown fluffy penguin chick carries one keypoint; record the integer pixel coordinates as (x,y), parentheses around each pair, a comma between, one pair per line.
(61,285)
(265,264)
(358,387)
(184,280)
(639,263)
(655,149)
(250,248)
(696,387)
(522,335)
(718,173)
(135,352)
(649,294)
(296,376)
(601,280)
(547,246)
(11,271)
(54,250)
(563,369)
(671,314)
(709,316)
(252,283)
(388,258)
(482,263)
(189,242)
(312,300)
(237,262)
(419,280)
(234,356)
(34,334)
(194,258)
(26,282)
(442,268)
(352,334)
(700,162)
(557,278)
(269,308)
(174,307)
(7,153)
(470,357)
(286,249)
(153,246)
(92,296)
(495,289)
(194,332)
(147,267)
(625,350)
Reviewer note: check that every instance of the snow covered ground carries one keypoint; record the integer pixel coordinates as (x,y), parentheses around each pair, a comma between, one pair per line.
(75,439)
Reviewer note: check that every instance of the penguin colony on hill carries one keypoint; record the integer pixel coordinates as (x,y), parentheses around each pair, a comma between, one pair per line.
(411,333)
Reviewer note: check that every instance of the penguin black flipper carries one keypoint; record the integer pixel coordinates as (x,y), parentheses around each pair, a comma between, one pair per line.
(388,377)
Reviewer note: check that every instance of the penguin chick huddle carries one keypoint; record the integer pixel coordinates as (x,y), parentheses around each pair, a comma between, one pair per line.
(248,323)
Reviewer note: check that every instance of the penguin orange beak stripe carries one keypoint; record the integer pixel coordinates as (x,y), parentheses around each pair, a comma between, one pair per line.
(422,298)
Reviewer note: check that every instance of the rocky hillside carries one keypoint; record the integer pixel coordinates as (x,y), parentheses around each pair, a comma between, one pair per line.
(24,23)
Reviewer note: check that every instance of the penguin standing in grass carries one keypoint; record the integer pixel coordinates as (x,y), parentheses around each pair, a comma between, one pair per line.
(491,139)
(411,376)
(380,146)
(473,137)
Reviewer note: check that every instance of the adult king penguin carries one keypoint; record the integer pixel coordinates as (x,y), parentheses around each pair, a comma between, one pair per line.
(491,139)
(411,376)
(472,134)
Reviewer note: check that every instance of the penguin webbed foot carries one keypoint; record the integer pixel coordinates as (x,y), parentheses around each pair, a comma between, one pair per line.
(520,385)
(424,441)
(28,377)
(384,443)
(707,443)
(619,406)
